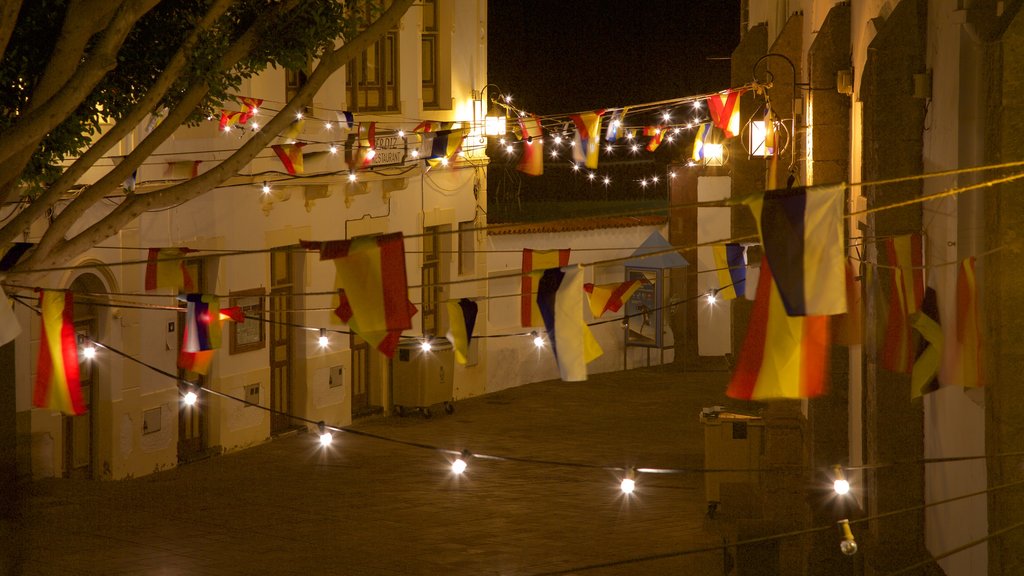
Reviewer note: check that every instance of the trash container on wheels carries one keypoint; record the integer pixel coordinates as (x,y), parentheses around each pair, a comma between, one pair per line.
(421,379)
(733,442)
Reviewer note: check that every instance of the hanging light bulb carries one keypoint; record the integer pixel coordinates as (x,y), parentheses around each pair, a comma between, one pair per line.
(190,397)
(458,466)
(401,133)
(666,116)
(327,125)
(538,340)
(607,180)
(325,436)
(323,340)
(575,167)
(696,104)
(848,545)
(415,153)
(643,183)
(654,179)
(628,484)
(89,351)
(254,125)
(634,148)
(841,485)
(352,177)
(425,346)
(554,153)
(333,149)
(712,295)
(609,149)
(266,188)
(298,115)
(591,175)
(444,161)
(509,149)
(558,139)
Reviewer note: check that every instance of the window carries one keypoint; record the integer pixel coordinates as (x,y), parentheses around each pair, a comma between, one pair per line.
(430,311)
(430,48)
(372,77)
(294,80)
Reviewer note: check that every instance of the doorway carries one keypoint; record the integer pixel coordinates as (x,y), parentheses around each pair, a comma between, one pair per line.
(282,278)
(80,431)
(192,419)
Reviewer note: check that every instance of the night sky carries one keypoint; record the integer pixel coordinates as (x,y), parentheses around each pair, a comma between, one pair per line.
(558,56)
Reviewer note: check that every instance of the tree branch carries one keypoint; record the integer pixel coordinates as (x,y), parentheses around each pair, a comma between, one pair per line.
(111,137)
(8,20)
(135,205)
(46,116)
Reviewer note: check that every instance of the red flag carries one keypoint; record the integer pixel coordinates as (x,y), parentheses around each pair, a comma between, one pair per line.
(610,297)
(57,386)
(229,119)
(250,106)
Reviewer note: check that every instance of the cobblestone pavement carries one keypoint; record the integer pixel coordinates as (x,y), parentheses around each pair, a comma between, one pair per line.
(371,507)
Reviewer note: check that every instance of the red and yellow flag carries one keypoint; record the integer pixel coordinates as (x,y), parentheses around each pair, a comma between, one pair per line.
(57,386)
(905,258)
(165,268)
(291,156)
(725,111)
(968,328)
(372,287)
(610,297)
(532,160)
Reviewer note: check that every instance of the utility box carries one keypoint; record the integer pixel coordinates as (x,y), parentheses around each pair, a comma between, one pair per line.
(422,378)
(734,443)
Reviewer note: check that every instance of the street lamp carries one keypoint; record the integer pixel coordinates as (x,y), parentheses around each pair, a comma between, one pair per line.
(771,77)
(494,123)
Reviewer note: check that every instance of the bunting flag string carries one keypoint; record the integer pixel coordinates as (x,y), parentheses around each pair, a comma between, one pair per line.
(725,111)
(532,160)
(587,141)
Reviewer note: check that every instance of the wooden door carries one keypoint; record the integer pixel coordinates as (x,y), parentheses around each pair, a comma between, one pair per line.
(281,279)
(78,430)
(192,419)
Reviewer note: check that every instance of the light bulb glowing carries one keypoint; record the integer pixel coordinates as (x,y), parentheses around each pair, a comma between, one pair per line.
(326,438)
(458,466)
(266,188)
(554,153)
(370,154)
(607,180)
(654,179)
(323,340)
(634,148)
(255,125)
(696,104)
(298,115)
(575,167)
(591,175)
(415,153)
(712,297)
(558,139)
(538,341)
(643,183)
(190,398)
(425,346)
(508,98)
(333,149)
(255,111)
(509,149)
(608,148)
(227,129)
(327,125)
(628,485)
(444,161)
(89,352)
(841,487)
(401,133)
(666,116)
(352,177)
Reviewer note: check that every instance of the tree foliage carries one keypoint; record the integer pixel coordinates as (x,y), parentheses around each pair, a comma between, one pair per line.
(76,76)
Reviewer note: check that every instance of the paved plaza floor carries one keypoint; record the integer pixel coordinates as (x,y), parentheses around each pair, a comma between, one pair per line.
(366,506)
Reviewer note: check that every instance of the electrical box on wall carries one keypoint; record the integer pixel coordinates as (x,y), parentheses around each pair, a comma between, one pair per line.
(337,376)
(252,394)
